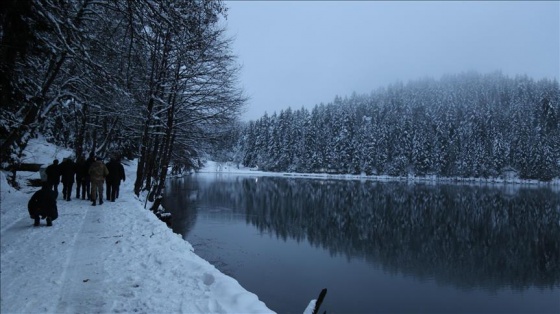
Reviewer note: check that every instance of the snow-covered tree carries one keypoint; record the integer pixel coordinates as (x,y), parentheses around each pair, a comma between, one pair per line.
(467,125)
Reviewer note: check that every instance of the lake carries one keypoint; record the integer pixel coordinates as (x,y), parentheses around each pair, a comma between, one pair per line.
(378,247)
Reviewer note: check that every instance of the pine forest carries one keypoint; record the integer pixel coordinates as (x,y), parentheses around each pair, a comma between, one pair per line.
(465,125)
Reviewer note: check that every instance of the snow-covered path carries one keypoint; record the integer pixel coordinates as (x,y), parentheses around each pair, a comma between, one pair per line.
(83,275)
(29,267)
(113,258)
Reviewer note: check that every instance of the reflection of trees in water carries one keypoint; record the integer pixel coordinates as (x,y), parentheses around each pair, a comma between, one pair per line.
(184,196)
(179,198)
(468,236)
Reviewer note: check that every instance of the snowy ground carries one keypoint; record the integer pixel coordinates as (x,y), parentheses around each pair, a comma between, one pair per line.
(113,258)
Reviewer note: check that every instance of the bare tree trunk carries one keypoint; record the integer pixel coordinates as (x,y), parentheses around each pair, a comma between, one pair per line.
(140,174)
(165,166)
(169,135)
(152,165)
(156,89)
(81,131)
(94,136)
(108,133)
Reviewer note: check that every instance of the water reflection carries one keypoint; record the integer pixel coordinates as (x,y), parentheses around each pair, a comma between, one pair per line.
(465,236)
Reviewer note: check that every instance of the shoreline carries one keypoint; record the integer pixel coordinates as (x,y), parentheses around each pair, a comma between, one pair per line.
(228,168)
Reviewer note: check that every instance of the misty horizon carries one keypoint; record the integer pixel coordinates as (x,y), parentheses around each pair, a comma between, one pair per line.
(299,54)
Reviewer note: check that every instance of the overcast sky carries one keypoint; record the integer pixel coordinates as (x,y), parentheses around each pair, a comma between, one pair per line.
(302,53)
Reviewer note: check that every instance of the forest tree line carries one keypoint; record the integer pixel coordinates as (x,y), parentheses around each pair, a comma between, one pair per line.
(465,125)
(154,80)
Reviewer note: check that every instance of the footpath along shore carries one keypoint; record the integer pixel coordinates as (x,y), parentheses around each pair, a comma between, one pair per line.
(113,258)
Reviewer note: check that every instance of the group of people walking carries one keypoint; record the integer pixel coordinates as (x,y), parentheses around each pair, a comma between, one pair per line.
(89,176)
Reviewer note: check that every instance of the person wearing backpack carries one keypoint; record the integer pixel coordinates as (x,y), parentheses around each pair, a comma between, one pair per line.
(67,170)
(86,179)
(97,172)
(80,179)
(53,176)
(116,175)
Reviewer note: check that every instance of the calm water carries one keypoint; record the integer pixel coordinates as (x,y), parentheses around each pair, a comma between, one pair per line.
(377,247)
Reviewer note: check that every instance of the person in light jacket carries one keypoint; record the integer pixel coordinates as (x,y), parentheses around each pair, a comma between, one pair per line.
(97,173)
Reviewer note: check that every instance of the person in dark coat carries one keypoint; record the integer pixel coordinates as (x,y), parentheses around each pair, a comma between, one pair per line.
(113,179)
(53,176)
(43,205)
(86,177)
(80,186)
(67,170)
